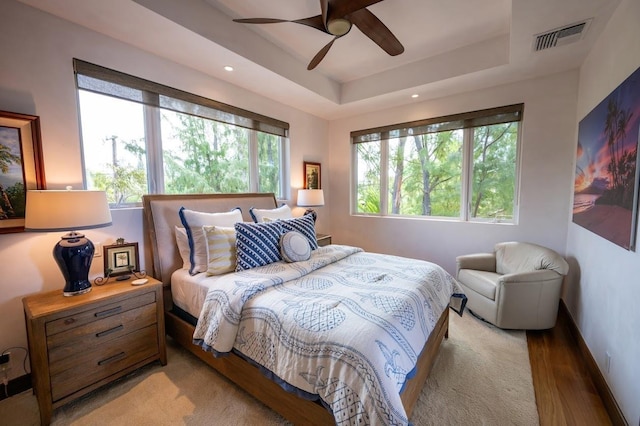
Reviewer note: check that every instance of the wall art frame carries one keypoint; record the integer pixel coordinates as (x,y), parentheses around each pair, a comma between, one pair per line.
(312,175)
(121,259)
(21,167)
(607,179)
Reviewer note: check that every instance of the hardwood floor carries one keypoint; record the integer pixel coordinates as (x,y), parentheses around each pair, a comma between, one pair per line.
(565,391)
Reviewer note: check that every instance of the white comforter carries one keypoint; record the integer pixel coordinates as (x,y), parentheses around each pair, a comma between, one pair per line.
(345,325)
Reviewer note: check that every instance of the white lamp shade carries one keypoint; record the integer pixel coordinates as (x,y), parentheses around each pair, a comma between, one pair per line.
(310,197)
(64,210)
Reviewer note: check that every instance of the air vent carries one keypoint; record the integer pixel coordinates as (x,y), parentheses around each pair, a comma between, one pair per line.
(560,36)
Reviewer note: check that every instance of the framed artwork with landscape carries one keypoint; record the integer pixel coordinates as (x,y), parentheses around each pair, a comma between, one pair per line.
(605,197)
(21,167)
(312,175)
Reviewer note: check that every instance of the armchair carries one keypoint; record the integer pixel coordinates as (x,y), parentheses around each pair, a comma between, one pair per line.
(515,287)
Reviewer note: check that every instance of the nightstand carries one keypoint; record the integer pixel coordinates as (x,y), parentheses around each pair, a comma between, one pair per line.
(323,239)
(79,343)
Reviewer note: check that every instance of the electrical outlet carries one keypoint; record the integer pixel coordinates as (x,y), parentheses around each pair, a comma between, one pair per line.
(5,358)
(98,249)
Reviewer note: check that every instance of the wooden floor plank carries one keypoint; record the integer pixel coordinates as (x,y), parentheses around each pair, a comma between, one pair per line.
(565,393)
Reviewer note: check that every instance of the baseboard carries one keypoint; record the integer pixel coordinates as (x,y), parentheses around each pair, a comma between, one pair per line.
(15,386)
(610,403)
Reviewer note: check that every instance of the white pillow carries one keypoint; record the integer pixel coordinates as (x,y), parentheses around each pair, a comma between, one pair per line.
(182,241)
(193,222)
(282,212)
(221,249)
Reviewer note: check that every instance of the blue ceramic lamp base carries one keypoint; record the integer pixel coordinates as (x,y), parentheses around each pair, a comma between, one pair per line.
(74,254)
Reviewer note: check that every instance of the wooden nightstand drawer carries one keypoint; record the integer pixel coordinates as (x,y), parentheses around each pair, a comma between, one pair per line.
(93,334)
(79,343)
(75,373)
(323,239)
(97,313)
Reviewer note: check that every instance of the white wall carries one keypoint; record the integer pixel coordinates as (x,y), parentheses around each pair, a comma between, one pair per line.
(548,146)
(36,77)
(601,294)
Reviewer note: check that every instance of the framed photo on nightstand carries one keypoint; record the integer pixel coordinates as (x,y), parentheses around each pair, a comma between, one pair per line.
(121,259)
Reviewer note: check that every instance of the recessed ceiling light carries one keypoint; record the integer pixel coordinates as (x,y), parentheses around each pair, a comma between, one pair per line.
(228,68)
(415,95)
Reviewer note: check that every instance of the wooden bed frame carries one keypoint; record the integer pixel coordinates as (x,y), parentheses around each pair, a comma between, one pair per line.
(160,217)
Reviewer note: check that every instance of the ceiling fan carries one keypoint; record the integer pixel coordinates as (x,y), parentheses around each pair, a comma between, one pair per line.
(336,19)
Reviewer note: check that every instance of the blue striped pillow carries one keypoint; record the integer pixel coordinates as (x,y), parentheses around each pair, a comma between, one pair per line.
(257,244)
(304,225)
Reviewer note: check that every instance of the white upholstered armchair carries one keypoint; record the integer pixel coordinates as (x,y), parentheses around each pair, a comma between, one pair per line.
(515,287)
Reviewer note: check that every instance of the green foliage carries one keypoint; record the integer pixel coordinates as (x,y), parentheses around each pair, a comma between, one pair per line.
(436,174)
(126,179)
(212,157)
(17,199)
(494,171)
(7,158)
(123,185)
(268,163)
(425,173)
(368,171)
(193,154)
(199,156)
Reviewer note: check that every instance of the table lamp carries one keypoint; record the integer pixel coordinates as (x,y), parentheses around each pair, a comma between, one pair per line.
(310,198)
(68,210)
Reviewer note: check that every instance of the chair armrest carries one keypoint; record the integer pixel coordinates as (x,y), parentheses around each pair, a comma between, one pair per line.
(532,276)
(528,300)
(478,261)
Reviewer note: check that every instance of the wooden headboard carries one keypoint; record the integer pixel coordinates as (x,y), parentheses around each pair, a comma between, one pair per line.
(161,216)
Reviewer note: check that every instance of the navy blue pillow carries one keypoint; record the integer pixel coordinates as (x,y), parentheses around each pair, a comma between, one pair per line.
(305,225)
(257,244)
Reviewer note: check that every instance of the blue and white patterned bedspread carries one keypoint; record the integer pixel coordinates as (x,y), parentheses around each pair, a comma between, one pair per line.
(345,325)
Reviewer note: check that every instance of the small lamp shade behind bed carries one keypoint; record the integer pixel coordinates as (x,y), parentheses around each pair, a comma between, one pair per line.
(310,198)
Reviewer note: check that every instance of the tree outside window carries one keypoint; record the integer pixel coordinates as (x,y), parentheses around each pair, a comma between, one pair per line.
(140,137)
(461,167)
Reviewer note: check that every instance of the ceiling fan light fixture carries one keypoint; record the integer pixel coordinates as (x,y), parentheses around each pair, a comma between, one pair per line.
(338,27)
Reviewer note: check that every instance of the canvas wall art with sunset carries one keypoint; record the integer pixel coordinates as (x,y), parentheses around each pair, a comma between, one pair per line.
(606,183)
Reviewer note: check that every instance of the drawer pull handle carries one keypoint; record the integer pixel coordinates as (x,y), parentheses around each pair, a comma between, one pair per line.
(69,321)
(114,358)
(111,330)
(108,312)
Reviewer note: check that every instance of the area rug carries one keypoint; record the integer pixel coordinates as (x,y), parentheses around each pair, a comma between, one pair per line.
(481,376)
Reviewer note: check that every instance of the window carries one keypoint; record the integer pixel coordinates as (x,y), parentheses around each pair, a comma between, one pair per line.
(461,167)
(141,137)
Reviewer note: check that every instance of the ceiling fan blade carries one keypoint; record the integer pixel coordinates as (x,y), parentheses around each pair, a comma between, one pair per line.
(313,22)
(324,7)
(373,28)
(260,21)
(321,54)
(341,8)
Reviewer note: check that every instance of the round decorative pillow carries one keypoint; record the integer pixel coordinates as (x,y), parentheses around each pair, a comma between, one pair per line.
(294,247)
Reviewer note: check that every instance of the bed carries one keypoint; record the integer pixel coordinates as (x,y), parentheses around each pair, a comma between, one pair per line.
(184,294)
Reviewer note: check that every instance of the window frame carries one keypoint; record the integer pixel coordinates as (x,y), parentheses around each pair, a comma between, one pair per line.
(468,122)
(154,98)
